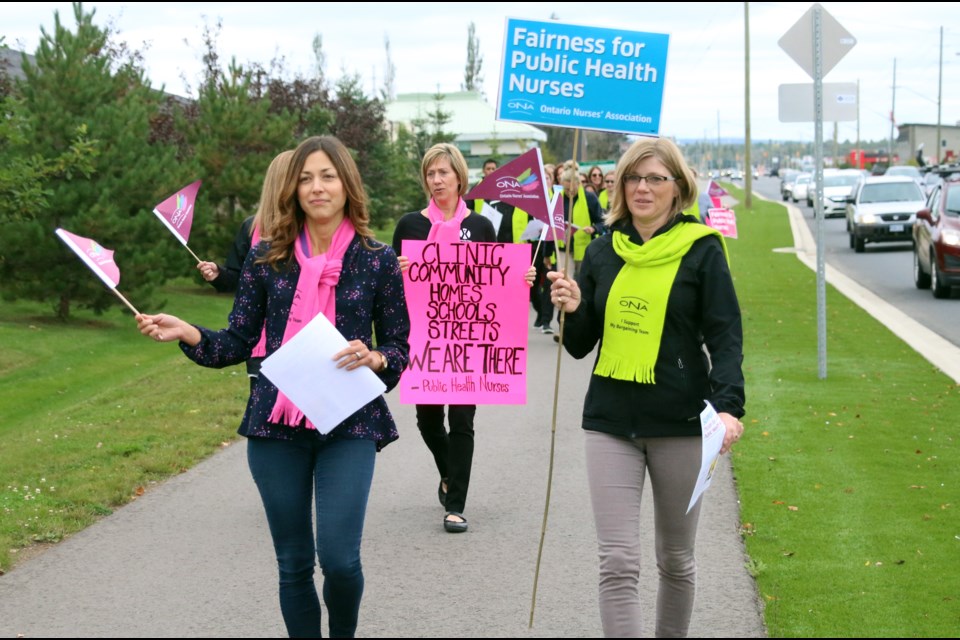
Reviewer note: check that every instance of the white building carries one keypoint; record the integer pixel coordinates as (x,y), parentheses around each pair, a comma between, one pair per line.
(479,135)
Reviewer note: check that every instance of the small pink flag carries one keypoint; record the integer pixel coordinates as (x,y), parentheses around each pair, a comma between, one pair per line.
(519,182)
(99,259)
(176,212)
(715,190)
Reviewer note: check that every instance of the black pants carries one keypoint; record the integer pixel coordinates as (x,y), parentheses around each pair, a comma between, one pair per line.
(452,452)
(541,289)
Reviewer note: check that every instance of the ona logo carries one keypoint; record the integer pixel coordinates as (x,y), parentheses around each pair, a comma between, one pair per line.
(633,305)
(520,105)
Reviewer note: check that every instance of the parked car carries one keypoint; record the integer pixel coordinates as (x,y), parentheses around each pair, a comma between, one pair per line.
(883,209)
(801,186)
(936,241)
(787,176)
(905,170)
(837,188)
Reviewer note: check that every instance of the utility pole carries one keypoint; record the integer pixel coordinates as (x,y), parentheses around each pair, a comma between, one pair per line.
(939,97)
(719,166)
(893,110)
(748,177)
(859,158)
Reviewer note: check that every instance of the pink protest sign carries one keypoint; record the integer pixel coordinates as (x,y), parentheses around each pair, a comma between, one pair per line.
(724,221)
(468,323)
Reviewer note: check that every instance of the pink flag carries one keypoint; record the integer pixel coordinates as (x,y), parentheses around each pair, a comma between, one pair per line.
(520,182)
(99,260)
(715,190)
(176,212)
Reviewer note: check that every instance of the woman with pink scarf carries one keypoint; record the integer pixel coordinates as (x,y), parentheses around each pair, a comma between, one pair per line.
(321,258)
(446,219)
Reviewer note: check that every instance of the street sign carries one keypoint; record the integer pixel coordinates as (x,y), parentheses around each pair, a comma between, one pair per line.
(798,41)
(839,102)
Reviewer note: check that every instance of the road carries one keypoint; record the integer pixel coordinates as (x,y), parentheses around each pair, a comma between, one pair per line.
(885,269)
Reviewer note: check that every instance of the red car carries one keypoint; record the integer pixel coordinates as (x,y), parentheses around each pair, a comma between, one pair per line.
(936,240)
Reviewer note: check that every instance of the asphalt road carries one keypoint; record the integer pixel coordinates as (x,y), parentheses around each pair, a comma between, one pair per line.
(885,269)
(192,557)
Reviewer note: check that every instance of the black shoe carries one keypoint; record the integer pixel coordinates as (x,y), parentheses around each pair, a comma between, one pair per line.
(454,526)
(442,494)
(556,338)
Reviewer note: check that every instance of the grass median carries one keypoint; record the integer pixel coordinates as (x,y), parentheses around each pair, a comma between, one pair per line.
(92,414)
(848,485)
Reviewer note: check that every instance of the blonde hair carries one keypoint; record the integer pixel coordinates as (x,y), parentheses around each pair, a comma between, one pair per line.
(570,171)
(268,209)
(290,216)
(670,155)
(457,163)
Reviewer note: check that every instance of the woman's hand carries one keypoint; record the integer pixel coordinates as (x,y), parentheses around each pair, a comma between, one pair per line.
(357,355)
(530,276)
(404,263)
(564,294)
(734,430)
(209,270)
(166,328)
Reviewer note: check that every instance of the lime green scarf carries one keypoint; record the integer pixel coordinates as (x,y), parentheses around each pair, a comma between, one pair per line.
(637,303)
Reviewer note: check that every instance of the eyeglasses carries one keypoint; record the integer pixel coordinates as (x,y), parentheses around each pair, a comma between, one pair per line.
(609,181)
(632,180)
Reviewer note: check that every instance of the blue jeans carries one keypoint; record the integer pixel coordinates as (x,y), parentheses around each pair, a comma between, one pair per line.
(290,474)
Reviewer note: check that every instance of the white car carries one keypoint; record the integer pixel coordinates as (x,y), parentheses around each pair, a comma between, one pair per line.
(801,186)
(883,209)
(838,186)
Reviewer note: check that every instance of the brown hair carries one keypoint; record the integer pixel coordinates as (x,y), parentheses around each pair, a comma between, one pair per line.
(290,216)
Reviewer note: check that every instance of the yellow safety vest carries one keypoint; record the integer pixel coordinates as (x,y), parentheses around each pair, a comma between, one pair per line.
(581,218)
(605,200)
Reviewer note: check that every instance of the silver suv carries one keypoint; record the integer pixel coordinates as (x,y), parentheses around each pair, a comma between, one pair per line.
(883,209)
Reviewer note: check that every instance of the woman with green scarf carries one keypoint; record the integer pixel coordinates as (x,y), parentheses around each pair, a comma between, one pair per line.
(657,295)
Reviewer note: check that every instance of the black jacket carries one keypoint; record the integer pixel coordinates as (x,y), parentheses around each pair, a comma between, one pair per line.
(702,310)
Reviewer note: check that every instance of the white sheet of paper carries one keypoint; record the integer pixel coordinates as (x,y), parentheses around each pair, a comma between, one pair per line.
(492,215)
(713,432)
(535,229)
(305,371)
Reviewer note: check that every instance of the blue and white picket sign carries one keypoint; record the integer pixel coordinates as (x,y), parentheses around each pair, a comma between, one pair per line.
(566,75)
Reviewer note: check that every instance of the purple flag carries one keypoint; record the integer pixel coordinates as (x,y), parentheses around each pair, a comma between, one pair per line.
(176,212)
(99,260)
(715,190)
(520,183)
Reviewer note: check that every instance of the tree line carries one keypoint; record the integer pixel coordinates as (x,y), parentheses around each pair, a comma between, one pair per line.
(86,144)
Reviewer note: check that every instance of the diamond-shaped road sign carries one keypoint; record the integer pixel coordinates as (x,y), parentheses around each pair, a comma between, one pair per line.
(798,41)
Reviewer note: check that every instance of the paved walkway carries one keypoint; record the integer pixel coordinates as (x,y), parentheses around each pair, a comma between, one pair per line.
(192,557)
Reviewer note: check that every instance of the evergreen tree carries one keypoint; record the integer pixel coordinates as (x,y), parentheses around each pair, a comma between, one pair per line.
(472,77)
(81,81)
(232,133)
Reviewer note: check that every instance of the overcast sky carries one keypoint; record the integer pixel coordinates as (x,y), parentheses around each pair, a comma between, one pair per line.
(704,85)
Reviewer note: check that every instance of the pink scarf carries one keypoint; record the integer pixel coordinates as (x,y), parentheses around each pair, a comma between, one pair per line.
(445,230)
(316,293)
(260,350)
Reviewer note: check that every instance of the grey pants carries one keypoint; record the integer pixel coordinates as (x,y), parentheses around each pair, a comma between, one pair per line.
(616,469)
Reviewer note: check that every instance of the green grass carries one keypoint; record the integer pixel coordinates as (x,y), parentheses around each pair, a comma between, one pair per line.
(92,413)
(848,484)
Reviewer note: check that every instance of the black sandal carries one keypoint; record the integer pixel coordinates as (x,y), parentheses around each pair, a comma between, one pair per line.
(441,493)
(453,526)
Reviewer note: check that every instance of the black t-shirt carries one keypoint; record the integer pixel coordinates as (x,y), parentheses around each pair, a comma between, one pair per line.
(416,226)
